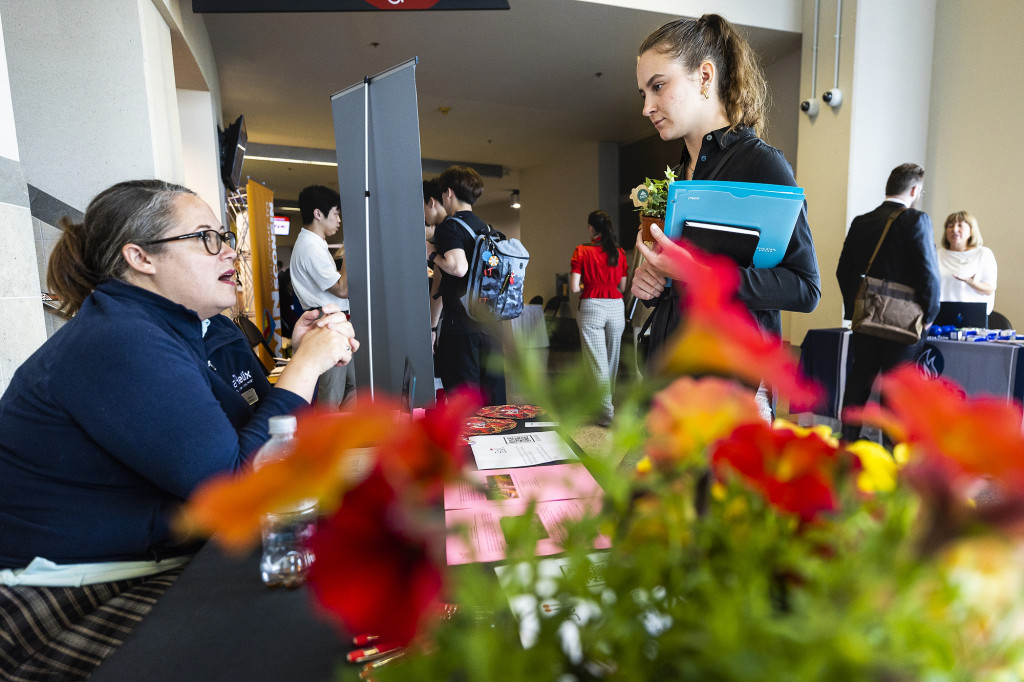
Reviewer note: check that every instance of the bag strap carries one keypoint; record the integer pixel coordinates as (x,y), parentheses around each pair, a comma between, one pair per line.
(888,223)
(469,229)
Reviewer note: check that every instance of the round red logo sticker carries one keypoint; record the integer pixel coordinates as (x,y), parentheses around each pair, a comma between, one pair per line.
(403,4)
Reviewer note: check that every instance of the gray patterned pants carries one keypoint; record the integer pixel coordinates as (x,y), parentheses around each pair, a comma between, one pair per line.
(601,322)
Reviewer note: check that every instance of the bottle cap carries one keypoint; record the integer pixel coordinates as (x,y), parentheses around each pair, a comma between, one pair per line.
(282,424)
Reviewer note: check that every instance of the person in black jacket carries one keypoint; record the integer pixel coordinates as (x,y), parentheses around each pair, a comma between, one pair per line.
(700,81)
(906,256)
(466,354)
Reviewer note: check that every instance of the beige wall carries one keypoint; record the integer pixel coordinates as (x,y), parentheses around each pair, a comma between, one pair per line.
(974,144)
(557,198)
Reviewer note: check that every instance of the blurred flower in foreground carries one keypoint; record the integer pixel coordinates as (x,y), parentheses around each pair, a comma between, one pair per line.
(718,335)
(877,467)
(373,569)
(691,414)
(966,437)
(986,573)
(232,504)
(417,455)
(426,452)
(792,472)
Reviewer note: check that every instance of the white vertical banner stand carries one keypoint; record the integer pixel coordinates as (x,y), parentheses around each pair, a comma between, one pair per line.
(366,221)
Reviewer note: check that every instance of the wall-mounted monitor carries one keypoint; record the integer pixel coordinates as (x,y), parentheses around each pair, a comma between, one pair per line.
(282,225)
(232,153)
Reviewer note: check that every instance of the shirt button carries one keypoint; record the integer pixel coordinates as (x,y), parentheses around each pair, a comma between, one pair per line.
(703,158)
(708,138)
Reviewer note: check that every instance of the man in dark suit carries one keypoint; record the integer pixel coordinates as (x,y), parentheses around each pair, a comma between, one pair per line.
(906,256)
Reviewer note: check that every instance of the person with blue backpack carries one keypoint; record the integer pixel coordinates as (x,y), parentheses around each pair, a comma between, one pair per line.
(467,354)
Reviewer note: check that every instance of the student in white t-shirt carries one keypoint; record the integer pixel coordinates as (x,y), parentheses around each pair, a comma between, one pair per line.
(317,281)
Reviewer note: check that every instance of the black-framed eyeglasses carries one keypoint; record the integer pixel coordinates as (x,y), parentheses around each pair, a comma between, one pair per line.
(212,240)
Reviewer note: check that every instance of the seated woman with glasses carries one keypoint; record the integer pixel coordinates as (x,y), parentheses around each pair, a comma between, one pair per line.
(116,419)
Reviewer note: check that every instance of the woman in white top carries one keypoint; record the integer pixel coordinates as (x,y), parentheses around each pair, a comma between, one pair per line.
(968,269)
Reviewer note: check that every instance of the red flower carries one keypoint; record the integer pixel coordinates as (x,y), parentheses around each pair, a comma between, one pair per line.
(426,452)
(792,471)
(374,570)
(719,336)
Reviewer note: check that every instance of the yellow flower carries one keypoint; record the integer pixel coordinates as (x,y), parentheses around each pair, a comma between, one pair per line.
(823,431)
(878,468)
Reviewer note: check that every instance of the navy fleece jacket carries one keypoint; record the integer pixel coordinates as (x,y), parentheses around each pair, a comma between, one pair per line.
(109,426)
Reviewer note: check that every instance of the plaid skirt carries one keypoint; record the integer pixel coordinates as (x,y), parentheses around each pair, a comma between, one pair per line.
(63,633)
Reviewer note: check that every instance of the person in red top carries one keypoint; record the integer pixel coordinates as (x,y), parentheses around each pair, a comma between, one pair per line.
(599,270)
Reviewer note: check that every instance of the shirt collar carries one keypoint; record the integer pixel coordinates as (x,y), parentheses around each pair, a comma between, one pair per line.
(714,143)
(898,200)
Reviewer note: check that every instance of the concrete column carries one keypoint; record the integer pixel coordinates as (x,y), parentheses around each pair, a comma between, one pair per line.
(94,96)
(22,328)
(845,153)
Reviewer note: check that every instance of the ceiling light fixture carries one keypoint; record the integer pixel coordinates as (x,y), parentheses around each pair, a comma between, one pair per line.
(514,202)
(304,162)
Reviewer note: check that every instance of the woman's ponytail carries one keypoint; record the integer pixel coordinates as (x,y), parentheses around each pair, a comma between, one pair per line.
(602,224)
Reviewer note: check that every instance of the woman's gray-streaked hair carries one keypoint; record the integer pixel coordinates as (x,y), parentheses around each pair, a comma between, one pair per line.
(89,252)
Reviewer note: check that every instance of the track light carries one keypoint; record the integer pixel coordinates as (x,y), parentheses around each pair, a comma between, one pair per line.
(514,203)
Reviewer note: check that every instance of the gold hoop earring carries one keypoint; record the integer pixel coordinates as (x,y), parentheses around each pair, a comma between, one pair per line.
(704,91)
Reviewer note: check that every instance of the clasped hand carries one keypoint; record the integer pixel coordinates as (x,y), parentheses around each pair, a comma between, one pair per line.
(328,318)
(660,264)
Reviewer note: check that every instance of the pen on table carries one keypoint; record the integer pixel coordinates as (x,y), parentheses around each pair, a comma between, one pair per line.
(363,640)
(364,674)
(374,652)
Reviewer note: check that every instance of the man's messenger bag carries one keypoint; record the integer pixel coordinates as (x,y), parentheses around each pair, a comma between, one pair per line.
(884,309)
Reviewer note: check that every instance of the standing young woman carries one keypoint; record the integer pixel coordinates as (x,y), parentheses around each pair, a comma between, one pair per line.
(113,422)
(700,82)
(601,267)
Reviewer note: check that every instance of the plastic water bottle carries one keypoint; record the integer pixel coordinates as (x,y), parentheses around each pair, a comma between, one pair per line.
(286,533)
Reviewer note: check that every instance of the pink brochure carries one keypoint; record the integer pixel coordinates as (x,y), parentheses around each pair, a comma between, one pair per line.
(522,484)
(483,540)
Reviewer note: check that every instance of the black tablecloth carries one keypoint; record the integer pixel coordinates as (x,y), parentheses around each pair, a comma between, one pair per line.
(985,368)
(219,622)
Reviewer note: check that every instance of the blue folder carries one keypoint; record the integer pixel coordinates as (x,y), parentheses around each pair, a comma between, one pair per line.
(721,217)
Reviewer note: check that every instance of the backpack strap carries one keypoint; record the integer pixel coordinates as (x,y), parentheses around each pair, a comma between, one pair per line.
(469,229)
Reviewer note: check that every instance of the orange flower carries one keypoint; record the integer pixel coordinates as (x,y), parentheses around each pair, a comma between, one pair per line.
(718,335)
(231,504)
(691,414)
(973,436)
(792,471)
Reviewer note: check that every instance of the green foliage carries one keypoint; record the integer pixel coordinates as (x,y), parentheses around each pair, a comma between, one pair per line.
(651,197)
(726,590)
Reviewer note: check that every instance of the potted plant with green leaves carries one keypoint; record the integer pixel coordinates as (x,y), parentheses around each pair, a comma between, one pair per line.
(650,199)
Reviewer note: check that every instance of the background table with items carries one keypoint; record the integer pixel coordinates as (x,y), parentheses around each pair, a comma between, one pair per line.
(219,622)
(980,368)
